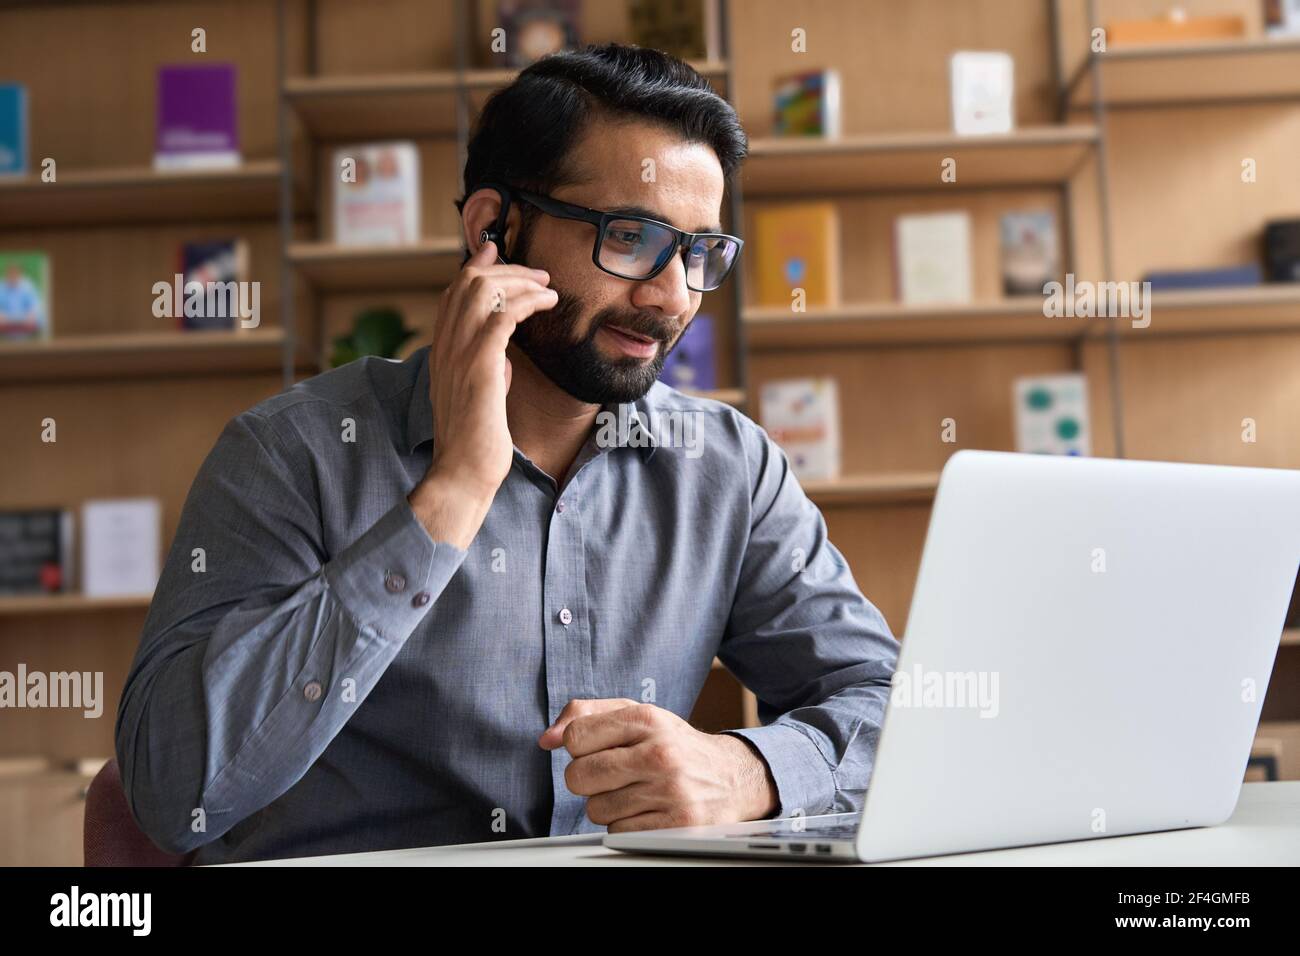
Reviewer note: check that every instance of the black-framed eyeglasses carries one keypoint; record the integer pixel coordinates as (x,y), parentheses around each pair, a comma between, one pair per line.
(638,248)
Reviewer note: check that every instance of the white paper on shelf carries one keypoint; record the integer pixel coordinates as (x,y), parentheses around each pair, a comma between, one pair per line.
(120,542)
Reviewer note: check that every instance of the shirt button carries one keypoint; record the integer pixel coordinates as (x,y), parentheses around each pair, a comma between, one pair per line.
(566,616)
(394,582)
(421,599)
(560,508)
(312,691)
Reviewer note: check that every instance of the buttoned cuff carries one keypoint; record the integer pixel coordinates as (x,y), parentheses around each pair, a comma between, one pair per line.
(805,783)
(390,576)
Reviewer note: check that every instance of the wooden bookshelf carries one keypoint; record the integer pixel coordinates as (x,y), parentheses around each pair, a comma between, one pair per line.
(14,605)
(376,107)
(152,354)
(1146,75)
(428,264)
(1271,307)
(881,162)
(135,194)
(728,396)
(884,489)
(892,323)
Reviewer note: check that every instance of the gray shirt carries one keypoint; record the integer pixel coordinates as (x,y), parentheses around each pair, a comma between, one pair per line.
(317,675)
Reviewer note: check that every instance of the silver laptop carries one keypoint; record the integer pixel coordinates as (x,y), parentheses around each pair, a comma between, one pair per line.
(1088,649)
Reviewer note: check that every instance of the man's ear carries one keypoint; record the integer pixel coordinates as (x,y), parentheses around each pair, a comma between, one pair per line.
(479,215)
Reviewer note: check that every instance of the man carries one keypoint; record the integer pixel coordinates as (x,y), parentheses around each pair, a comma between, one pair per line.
(459,598)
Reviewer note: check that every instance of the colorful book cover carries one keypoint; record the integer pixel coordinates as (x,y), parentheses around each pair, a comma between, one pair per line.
(690,365)
(932,254)
(1052,415)
(983,93)
(35,551)
(24,296)
(798,248)
(13,129)
(211,263)
(198,121)
(803,416)
(536,28)
(377,194)
(1030,252)
(808,104)
(675,27)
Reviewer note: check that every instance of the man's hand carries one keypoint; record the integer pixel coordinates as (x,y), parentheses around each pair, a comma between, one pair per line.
(469,376)
(643,768)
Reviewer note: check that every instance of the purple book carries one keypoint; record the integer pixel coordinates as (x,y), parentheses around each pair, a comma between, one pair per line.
(197,117)
(690,364)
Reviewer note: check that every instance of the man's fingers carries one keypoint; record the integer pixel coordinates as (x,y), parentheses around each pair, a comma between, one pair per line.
(606,807)
(485,297)
(553,736)
(655,820)
(604,771)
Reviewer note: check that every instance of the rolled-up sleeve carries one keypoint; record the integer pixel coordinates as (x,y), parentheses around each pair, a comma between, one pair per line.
(816,653)
(259,645)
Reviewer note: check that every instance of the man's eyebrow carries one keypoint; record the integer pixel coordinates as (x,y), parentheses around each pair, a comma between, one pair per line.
(645,213)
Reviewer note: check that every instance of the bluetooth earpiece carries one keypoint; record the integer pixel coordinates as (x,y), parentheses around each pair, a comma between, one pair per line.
(489,235)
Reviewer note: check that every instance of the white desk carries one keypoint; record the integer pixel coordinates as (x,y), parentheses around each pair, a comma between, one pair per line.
(1264,831)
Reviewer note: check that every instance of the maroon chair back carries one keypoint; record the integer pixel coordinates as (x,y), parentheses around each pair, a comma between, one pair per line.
(110,835)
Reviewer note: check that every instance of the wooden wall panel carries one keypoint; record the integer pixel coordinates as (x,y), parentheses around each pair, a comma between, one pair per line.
(384,36)
(1185,398)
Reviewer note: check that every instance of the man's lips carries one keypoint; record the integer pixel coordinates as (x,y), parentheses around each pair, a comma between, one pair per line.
(631,343)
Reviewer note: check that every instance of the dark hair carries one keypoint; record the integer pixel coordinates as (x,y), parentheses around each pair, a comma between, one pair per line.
(526,129)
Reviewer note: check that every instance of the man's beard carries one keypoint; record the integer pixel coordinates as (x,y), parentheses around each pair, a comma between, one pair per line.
(577,367)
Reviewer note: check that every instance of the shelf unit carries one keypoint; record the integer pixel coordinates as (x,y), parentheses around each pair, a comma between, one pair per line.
(310,85)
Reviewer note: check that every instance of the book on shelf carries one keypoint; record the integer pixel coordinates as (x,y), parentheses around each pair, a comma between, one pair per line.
(532,29)
(120,542)
(983,92)
(376,194)
(13,129)
(24,296)
(1229,277)
(807,104)
(802,415)
(197,121)
(1052,414)
(215,265)
(1030,252)
(1174,27)
(676,27)
(1282,18)
(932,257)
(36,551)
(1282,250)
(798,246)
(691,365)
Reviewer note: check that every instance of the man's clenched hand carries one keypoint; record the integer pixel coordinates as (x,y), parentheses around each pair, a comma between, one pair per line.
(643,768)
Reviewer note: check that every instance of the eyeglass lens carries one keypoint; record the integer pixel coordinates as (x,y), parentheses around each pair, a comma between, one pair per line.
(635,250)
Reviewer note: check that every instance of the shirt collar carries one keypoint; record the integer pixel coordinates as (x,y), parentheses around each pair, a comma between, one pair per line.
(617,426)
